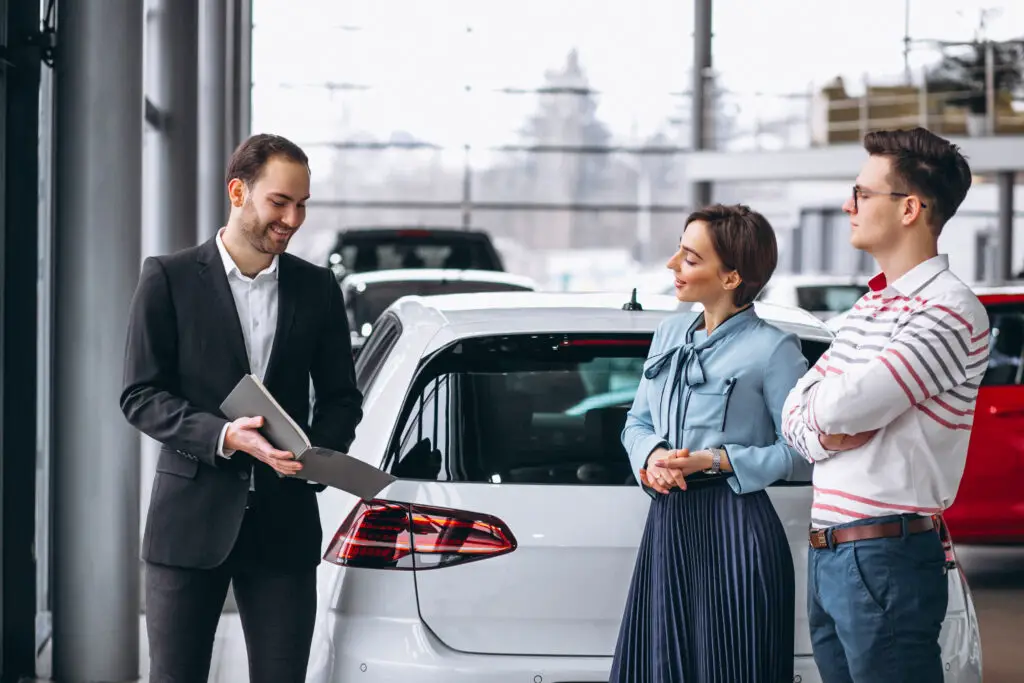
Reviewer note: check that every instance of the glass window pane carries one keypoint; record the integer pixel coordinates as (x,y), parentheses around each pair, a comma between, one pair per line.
(1006,346)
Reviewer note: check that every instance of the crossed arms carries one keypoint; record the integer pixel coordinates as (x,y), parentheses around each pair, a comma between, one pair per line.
(938,349)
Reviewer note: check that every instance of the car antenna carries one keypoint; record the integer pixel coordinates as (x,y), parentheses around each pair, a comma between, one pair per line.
(632,304)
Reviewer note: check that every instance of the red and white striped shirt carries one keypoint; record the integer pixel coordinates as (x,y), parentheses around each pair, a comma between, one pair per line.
(907,361)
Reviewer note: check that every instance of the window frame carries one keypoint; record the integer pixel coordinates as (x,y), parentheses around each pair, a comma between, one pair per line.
(423,378)
(378,347)
(425,374)
(1013,306)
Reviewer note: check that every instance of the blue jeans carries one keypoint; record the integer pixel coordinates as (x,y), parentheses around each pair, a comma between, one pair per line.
(876,608)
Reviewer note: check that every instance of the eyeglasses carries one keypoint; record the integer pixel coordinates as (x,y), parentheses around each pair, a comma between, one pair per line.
(861,192)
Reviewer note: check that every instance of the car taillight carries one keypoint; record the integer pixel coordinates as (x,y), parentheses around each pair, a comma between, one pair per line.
(380,534)
(947,541)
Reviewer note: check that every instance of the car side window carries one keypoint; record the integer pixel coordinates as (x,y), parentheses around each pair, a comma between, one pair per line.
(426,443)
(378,348)
(1006,345)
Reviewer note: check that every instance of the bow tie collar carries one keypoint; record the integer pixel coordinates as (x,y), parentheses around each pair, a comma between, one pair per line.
(686,370)
(684,361)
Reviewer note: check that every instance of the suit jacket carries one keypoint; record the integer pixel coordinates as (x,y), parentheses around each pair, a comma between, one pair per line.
(185,353)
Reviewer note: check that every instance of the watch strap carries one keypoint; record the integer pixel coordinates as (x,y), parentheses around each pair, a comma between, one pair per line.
(716,460)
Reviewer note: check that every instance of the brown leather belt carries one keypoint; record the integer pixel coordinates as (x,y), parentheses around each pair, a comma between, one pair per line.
(820,537)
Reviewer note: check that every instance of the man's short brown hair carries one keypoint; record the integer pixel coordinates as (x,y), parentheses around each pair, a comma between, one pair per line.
(927,165)
(745,242)
(249,158)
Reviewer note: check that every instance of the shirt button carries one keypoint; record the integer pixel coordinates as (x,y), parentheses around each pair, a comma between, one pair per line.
(243,474)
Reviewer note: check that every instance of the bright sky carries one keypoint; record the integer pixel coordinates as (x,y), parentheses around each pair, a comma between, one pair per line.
(418,55)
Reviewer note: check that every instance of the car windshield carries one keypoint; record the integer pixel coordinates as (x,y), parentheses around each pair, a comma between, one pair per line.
(530,409)
(366,301)
(413,249)
(829,298)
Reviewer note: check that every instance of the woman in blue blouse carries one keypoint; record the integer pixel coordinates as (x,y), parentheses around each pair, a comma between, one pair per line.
(712,595)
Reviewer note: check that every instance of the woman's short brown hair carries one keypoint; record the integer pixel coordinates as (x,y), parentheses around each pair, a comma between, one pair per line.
(745,242)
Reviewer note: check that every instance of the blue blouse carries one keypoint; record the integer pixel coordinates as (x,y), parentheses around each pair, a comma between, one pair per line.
(725,390)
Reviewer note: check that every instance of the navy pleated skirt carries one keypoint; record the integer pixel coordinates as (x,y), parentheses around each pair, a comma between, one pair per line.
(712,596)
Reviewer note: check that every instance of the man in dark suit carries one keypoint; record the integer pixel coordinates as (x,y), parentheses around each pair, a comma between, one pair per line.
(220,511)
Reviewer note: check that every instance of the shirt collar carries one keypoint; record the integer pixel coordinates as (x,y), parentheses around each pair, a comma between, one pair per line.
(231,267)
(915,279)
(736,321)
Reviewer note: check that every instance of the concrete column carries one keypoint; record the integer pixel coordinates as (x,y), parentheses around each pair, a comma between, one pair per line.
(213,123)
(1006,185)
(96,456)
(19,253)
(171,158)
(701,192)
(239,86)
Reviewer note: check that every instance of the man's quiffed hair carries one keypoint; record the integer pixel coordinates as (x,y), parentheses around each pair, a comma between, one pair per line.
(249,158)
(745,242)
(926,165)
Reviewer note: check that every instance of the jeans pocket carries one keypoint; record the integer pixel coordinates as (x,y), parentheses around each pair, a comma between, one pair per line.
(870,576)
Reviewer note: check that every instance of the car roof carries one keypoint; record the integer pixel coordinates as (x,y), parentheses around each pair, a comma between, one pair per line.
(997,290)
(386,230)
(526,312)
(809,279)
(373,277)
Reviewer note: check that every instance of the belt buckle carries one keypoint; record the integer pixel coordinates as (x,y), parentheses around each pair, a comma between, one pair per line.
(818,539)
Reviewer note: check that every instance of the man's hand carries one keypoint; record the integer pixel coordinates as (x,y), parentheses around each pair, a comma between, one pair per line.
(845,442)
(242,436)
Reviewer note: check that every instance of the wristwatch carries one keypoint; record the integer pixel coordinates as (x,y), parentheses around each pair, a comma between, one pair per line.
(716,461)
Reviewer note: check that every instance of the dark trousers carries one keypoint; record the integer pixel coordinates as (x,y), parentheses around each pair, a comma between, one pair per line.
(276,604)
(876,608)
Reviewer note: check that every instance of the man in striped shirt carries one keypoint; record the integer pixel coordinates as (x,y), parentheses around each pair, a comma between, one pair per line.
(885,415)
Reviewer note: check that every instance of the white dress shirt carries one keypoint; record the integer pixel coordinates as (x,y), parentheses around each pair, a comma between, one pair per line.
(256,305)
(907,362)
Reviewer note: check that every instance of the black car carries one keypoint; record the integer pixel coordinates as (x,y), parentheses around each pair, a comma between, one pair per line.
(364,250)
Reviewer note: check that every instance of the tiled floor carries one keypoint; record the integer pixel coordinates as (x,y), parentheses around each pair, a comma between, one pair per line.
(229,663)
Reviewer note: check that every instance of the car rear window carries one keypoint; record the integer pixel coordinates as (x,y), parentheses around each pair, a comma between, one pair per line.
(829,298)
(414,249)
(368,301)
(525,409)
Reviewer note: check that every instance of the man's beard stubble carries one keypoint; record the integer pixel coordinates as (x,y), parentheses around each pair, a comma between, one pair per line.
(258,235)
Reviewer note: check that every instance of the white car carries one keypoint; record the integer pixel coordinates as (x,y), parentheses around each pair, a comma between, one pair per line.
(367,295)
(823,295)
(504,551)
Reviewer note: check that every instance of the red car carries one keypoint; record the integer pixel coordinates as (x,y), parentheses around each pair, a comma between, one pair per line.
(989,507)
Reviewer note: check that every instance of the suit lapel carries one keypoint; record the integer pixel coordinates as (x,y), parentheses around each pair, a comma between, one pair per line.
(286,300)
(211,270)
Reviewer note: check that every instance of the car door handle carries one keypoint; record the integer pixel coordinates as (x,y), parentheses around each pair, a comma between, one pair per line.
(1006,412)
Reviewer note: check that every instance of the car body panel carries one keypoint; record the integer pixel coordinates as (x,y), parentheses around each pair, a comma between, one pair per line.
(989,506)
(563,590)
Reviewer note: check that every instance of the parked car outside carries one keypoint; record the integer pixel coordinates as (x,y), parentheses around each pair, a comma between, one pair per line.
(364,250)
(822,295)
(367,295)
